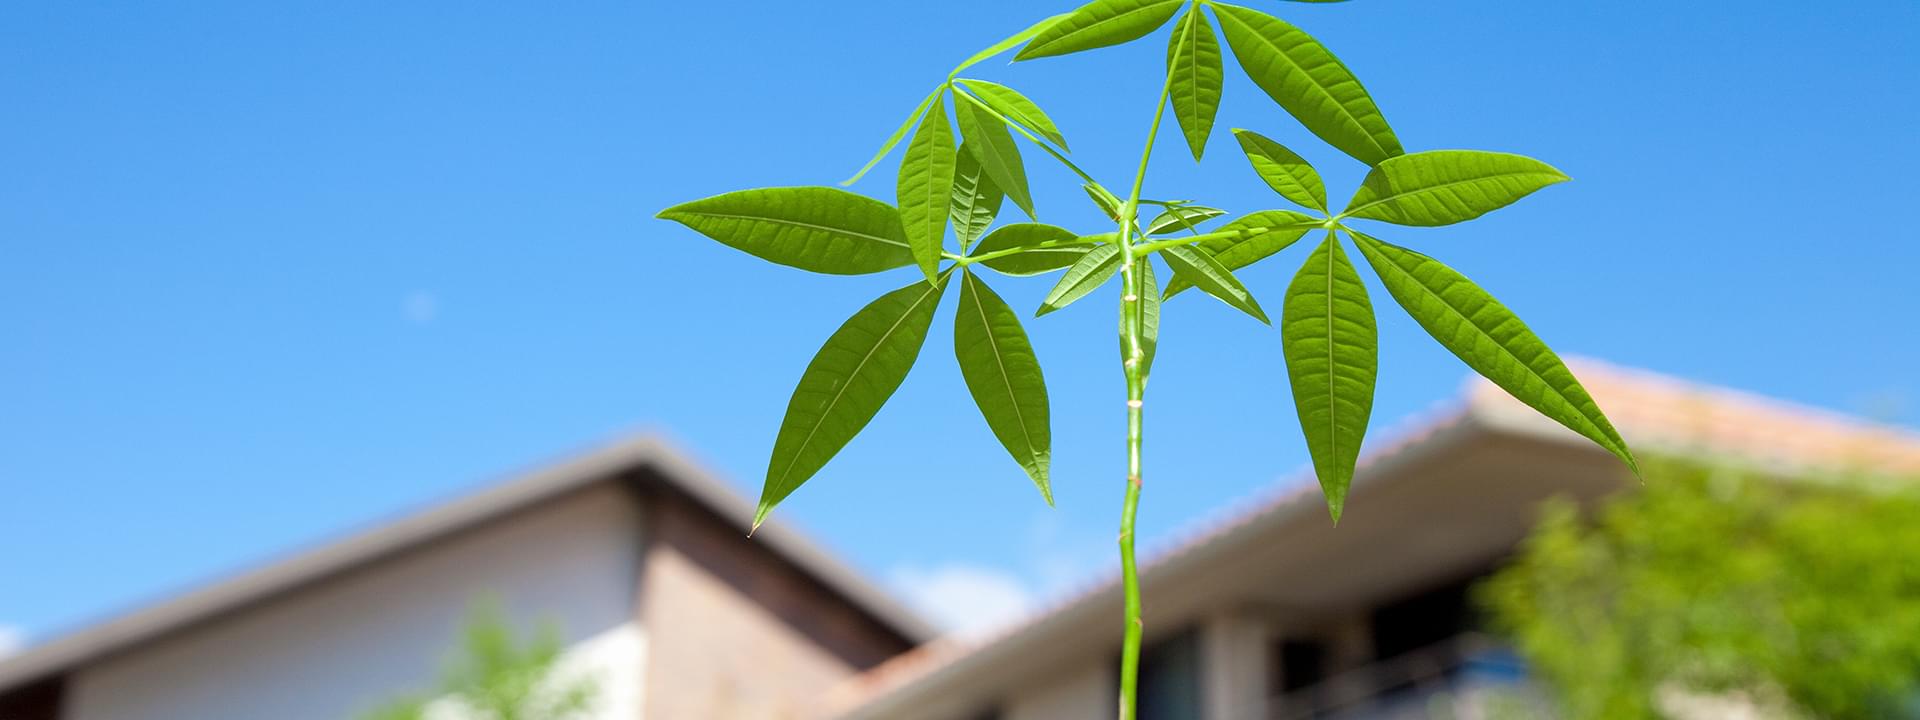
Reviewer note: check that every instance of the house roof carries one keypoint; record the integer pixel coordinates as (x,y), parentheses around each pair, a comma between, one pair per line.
(1659,415)
(602,465)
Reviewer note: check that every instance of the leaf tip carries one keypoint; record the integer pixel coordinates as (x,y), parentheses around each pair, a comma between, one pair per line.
(1633,463)
(759,517)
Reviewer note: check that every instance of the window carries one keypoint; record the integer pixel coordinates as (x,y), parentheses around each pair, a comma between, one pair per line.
(1170,678)
(1301,664)
(1424,619)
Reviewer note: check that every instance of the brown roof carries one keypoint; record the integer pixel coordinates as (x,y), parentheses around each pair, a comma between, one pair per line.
(1658,415)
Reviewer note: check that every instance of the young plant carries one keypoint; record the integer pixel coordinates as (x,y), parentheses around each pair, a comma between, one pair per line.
(962,182)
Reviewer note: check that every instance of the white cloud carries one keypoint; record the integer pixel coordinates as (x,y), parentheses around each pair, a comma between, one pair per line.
(12,640)
(964,599)
(420,307)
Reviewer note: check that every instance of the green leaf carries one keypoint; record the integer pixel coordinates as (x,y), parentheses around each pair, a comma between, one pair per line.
(976,200)
(894,139)
(1105,200)
(1182,217)
(925,188)
(1004,377)
(993,147)
(1036,260)
(1194,78)
(854,373)
(1283,170)
(1308,82)
(1206,273)
(823,229)
(1149,319)
(1011,103)
(1490,339)
(1086,275)
(1099,24)
(1332,351)
(1007,44)
(1442,187)
(1262,234)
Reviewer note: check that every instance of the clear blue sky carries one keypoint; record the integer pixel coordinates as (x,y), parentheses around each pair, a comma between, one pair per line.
(275,271)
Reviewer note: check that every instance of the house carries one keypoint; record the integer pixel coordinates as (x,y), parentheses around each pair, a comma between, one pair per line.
(1268,612)
(640,558)
(1265,612)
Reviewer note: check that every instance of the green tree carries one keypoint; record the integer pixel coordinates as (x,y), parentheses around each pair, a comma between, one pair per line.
(496,676)
(960,180)
(1800,594)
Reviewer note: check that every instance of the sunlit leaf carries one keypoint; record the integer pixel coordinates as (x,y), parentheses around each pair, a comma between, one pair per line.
(1007,44)
(1180,218)
(1261,235)
(1017,107)
(854,373)
(976,200)
(1036,260)
(1283,170)
(1490,339)
(1308,82)
(996,152)
(925,188)
(1085,275)
(1206,273)
(823,229)
(1099,24)
(1442,187)
(1332,352)
(894,139)
(1004,377)
(1105,200)
(1194,78)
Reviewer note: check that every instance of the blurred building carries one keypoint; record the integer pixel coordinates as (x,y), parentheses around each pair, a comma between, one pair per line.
(638,557)
(1264,613)
(1268,612)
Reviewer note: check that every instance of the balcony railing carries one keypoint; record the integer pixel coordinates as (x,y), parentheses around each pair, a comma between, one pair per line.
(1451,678)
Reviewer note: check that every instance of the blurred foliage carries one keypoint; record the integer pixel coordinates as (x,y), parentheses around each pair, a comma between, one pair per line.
(1801,597)
(494,676)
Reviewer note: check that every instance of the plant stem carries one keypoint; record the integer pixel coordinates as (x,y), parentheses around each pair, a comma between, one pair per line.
(1148,248)
(971,259)
(1132,310)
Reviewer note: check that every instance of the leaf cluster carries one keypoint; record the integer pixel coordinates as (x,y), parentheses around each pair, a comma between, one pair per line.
(497,676)
(952,186)
(1713,582)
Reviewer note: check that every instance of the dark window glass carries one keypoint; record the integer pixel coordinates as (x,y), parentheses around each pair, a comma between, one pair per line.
(1301,663)
(1170,678)
(1422,620)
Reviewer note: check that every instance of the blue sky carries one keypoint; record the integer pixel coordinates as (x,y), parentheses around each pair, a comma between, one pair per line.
(273,272)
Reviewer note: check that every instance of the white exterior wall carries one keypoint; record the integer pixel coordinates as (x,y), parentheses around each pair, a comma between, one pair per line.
(1085,693)
(330,651)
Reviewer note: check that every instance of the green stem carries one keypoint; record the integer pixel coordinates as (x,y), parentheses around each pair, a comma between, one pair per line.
(1135,366)
(982,257)
(1145,249)
(1017,127)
